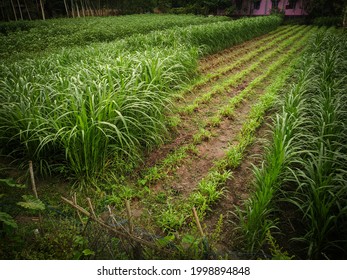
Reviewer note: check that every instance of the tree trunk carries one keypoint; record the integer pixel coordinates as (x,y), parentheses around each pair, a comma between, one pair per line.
(89,7)
(26,8)
(42,10)
(78,10)
(83,10)
(66,9)
(72,9)
(20,10)
(14,10)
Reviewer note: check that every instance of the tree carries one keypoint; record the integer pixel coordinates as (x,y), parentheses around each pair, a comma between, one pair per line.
(42,9)
(322,8)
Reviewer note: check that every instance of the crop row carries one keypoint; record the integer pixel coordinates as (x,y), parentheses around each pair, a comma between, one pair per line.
(161,170)
(36,36)
(305,164)
(239,76)
(229,55)
(223,70)
(228,110)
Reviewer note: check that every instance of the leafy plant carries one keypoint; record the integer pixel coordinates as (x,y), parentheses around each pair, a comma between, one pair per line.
(32,203)
(171,219)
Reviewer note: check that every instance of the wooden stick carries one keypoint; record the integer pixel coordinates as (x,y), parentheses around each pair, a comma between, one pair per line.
(115,231)
(114,221)
(198,223)
(131,226)
(91,207)
(33,185)
(74,199)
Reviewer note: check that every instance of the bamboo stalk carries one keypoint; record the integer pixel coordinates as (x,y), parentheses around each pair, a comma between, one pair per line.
(66,9)
(20,10)
(74,199)
(32,178)
(131,226)
(198,223)
(42,10)
(91,207)
(14,10)
(26,8)
(33,185)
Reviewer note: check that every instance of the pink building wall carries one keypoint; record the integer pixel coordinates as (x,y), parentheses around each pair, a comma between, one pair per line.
(266,6)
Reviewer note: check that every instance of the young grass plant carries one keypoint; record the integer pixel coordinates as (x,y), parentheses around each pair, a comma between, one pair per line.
(320,179)
(306,156)
(257,217)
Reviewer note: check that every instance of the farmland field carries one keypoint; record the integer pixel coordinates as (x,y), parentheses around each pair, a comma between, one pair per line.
(32,37)
(166,130)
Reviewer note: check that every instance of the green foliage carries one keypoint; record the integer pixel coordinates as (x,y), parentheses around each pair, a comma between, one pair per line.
(201,136)
(56,34)
(32,203)
(257,217)
(90,106)
(192,247)
(171,219)
(8,220)
(328,21)
(210,189)
(9,182)
(275,250)
(304,164)
(324,8)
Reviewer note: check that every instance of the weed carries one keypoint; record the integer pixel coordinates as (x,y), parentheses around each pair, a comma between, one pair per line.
(171,219)
(201,136)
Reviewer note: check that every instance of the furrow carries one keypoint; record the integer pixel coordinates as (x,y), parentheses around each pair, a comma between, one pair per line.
(212,62)
(233,73)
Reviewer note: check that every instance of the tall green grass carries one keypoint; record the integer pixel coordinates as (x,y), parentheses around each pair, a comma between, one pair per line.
(83,110)
(29,37)
(90,113)
(306,161)
(321,193)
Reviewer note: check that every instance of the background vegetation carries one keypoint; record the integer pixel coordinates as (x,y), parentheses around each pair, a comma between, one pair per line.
(43,9)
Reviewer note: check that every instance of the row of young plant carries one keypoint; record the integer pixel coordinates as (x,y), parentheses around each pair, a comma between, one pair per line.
(252,49)
(244,55)
(305,166)
(82,110)
(162,169)
(30,37)
(239,76)
(211,187)
(233,157)
(225,68)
